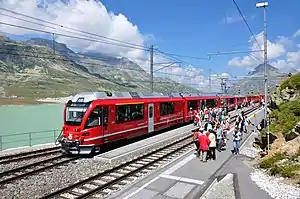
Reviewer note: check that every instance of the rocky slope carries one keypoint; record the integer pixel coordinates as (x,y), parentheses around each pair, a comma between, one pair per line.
(284,156)
(35,69)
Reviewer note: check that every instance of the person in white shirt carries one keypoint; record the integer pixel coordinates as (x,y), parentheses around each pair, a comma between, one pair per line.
(236,141)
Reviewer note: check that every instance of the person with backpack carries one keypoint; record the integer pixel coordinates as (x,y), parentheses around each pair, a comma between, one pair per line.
(236,141)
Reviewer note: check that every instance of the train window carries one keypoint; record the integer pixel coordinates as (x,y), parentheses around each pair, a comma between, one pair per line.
(94,118)
(231,101)
(166,108)
(126,113)
(210,103)
(192,104)
(151,112)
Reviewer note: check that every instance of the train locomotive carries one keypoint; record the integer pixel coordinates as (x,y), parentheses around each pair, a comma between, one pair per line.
(93,119)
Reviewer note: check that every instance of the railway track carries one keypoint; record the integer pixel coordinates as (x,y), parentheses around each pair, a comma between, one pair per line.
(34,168)
(113,179)
(29,155)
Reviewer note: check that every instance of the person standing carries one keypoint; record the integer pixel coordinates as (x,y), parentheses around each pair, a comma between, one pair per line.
(219,137)
(195,140)
(212,145)
(236,141)
(204,145)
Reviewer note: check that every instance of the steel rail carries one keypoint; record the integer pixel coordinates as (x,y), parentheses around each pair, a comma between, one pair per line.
(91,191)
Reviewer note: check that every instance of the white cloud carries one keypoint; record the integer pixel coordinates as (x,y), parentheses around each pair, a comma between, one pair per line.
(93,17)
(275,50)
(90,16)
(297,33)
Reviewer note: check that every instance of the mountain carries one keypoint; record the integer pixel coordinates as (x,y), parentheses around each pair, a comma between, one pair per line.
(254,81)
(260,70)
(34,69)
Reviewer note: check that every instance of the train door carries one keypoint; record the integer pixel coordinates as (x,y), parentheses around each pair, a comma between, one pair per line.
(104,122)
(150,118)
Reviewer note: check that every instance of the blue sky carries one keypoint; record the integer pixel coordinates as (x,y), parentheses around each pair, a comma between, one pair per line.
(196,28)
(192,28)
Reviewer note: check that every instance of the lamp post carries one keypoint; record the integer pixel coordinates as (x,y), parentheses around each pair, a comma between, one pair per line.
(265,5)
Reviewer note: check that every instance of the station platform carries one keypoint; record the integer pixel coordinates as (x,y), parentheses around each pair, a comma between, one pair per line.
(185,176)
(140,147)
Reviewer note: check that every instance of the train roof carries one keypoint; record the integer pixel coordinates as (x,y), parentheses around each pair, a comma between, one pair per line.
(91,96)
(104,95)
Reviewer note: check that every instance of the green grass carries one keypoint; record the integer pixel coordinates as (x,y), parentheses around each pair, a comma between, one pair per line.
(287,169)
(292,83)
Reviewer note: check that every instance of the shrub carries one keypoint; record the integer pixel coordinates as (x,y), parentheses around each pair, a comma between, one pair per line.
(270,162)
(292,83)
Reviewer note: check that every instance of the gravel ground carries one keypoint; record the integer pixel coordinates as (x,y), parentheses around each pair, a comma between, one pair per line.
(16,164)
(25,149)
(271,184)
(223,189)
(274,187)
(49,181)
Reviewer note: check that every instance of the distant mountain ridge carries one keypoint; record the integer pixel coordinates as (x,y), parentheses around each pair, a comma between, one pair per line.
(34,68)
(254,82)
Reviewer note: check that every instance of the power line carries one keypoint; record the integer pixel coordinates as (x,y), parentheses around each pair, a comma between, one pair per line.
(74,37)
(66,27)
(246,23)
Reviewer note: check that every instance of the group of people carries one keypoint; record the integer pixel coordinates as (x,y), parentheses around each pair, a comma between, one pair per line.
(214,124)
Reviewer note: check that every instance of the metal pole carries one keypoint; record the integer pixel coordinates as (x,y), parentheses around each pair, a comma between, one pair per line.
(266,75)
(151,67)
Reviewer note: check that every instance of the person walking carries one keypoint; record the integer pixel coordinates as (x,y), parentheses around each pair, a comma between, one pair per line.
(219,137)
(236,141)
(204,145)
(212,145)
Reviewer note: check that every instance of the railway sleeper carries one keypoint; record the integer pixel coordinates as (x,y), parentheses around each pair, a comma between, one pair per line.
(116,174)
(80,190)
(90,186)
(67,196)
(98,182)
(108,178)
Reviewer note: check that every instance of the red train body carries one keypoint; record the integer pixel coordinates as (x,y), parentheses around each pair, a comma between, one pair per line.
(94,119)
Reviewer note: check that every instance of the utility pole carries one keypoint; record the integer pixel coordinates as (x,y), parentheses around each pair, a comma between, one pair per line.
(151,67)
(209,78)
(266,75)
(265,5)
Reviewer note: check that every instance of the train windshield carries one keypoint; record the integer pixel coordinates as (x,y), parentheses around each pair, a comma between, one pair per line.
(74,115)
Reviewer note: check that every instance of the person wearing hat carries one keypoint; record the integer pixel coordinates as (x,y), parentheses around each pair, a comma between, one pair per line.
(204,145)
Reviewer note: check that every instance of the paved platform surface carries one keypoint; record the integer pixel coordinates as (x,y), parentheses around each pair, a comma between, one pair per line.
(122,153)
(186,176)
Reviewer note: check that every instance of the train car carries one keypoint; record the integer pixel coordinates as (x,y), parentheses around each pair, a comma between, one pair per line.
(228,102)
(93,119)
(193,102)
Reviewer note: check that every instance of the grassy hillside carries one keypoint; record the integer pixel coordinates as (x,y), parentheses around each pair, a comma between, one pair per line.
(32,69)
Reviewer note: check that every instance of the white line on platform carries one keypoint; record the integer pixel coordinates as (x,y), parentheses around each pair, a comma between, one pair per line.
(166,173)
(182,179)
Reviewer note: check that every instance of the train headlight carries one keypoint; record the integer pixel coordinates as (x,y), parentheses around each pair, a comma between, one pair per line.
(70,136)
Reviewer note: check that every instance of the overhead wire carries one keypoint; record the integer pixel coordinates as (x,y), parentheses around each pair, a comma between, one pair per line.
(74,29)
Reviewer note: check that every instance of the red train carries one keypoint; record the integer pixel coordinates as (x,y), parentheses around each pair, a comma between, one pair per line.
(94,119)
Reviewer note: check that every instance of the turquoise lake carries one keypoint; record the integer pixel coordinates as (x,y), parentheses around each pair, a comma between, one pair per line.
(43,121)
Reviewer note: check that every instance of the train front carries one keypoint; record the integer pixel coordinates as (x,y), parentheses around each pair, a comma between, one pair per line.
(75,136)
